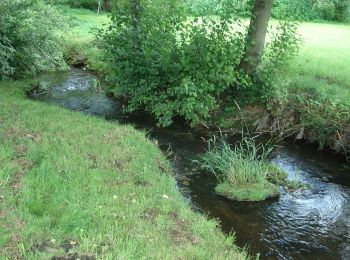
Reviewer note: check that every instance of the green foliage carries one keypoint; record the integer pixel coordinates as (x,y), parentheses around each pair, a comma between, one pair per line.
(308,10)
(88,4)
(170,65)
(203,7)
(305,10)
(325,119)
(28,38)
(282,47)
(246,162)
(243,171)
(216,7)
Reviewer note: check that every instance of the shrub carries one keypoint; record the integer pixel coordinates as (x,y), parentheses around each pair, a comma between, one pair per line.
(28,38)
(203,7)
(88,4)
(308,10)
(170,65)
(216,7)
(282,47)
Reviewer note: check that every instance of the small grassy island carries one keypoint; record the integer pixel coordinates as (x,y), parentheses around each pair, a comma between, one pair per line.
(244,172)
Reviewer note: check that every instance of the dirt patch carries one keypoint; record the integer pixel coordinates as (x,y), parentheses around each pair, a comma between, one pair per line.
(42,246)
(181,233)
(13,133)
(25,166)
(11,248)
(21,150)
(120,163)
(93,158)
(163,166)
(117,164)
(74,256)
(150,214)
(68,245)
(141,183)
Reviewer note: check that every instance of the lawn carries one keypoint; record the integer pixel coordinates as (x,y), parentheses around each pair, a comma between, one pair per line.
(84,22)
(74,186)
(323,64)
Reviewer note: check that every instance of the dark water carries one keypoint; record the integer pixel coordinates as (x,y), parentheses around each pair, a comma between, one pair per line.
(312,224)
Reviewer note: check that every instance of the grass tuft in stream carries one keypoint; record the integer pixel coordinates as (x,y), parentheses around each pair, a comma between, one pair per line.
(243,171)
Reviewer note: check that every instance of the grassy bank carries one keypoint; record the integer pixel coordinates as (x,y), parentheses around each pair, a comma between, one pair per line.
(76,186)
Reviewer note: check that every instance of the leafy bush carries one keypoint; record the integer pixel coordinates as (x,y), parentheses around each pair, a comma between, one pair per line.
(169,65)
(203,7)
(28,38)
(88,4)
(325,119)
(333,10)
(282,47)
(216,7)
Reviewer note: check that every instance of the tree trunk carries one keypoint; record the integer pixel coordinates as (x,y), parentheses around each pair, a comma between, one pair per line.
(106,5)
(255,41)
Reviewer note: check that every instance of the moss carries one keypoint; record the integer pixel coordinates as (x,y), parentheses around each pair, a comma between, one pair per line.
(248,191)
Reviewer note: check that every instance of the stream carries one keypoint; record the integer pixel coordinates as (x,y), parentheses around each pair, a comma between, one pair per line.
(308,224)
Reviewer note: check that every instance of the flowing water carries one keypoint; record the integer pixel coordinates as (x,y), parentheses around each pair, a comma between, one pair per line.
(310,224)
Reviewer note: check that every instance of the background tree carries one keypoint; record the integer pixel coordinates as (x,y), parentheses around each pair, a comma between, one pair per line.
(255,40)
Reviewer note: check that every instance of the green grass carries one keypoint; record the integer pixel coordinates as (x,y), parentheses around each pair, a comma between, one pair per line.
(80,38)
(84,22)
(247,191)
(79,186)
(243,171)
(323,64)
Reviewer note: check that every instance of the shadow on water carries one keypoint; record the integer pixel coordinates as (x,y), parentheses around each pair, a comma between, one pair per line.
(311,224)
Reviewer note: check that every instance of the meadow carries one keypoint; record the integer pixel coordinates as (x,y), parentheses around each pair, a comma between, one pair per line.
(323,63)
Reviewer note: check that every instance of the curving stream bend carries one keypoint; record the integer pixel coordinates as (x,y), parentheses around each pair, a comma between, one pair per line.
(311,224)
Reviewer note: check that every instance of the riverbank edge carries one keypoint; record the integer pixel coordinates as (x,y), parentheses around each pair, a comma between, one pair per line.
(91,188)
(324,123)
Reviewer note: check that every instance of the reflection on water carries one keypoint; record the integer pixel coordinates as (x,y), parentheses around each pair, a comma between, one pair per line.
(310,224)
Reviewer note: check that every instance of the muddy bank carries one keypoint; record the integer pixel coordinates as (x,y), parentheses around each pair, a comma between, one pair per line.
(296,123)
